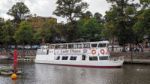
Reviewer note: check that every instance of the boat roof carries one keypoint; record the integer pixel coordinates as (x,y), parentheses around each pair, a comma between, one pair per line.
(80,43)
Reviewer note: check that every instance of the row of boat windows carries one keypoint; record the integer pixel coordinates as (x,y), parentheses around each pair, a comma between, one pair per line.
(70,46)
(92,58)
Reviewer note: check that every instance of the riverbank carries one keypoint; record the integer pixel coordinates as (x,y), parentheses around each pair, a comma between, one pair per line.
(137,61)
(133,57)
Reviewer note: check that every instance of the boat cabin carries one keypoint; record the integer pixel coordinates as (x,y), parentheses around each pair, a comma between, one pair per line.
(88,51)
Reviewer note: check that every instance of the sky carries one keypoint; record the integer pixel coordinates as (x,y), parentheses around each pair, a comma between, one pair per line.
(45,8)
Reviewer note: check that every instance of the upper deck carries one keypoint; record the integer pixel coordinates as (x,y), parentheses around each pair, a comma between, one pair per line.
(79,45)
(99,48)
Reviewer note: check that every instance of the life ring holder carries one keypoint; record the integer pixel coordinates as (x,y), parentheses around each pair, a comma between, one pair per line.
(102,51)
(93,52)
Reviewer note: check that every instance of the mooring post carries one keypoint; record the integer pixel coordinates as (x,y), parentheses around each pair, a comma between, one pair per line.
(14,75)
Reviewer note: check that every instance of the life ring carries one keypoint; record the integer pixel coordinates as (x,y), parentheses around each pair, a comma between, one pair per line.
(102,51)
(93,52)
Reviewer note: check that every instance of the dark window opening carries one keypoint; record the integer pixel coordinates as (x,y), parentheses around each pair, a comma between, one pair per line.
(102,45)
(103,58)
(83,57)
(73,58)
(58,58)
(70,45)
(93,45)
(65,58)
(47,52)
(93,58)
(87,45)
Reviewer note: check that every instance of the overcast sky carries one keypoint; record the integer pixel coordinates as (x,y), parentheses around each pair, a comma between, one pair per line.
(46,7)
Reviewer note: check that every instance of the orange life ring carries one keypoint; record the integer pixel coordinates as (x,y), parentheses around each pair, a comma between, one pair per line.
(102,51)
(93,52)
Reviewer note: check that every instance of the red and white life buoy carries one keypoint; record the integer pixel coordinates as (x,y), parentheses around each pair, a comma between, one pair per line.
(102,51)
(93,52)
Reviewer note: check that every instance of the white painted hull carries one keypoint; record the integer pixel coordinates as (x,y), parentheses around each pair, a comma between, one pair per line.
(105,63)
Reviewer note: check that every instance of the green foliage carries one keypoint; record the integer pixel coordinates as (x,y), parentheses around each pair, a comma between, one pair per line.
(46,32)
(18,11)
(110,30)
(98,17)
(122,21)
(24,33)
(141,27)
(119,21)
(71,9)
(7,31)
(89,29)
(145,3)
(87,15)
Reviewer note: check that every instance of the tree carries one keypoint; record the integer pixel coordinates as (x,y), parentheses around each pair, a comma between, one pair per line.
(19,11)
(71,9)
(141,27)
(1,24)
(87,15)
(110,31)
(47,31)
(6,34)
(123,21)
(89,29)
(24,33)
(98,17)
(145,4)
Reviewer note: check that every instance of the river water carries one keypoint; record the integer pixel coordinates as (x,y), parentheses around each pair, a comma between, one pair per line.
(52,74)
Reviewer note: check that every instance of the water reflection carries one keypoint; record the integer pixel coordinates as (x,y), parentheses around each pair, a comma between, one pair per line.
(51,74)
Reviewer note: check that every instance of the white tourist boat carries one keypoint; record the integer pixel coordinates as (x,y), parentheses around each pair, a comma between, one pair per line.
(84,54)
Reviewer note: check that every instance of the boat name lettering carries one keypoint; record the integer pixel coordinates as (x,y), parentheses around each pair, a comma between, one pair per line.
(75,51)
(65,51)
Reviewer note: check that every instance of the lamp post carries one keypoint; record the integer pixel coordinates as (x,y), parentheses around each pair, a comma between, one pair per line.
(131,47)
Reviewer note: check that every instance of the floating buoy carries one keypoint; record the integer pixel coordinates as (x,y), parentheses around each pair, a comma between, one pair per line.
(14,76)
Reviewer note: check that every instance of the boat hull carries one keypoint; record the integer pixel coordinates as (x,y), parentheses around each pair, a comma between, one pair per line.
(103,64)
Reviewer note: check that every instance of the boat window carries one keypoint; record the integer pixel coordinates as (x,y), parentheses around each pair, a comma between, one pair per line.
(58,58)
(79,45)
(86,45)
(103,58)
(47,52)
(93,45)
(51,46)
(70,45)
(83,57)
(65,58)
(102,45)
(93,58)
(57,46)
(64,46)
(73,58)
